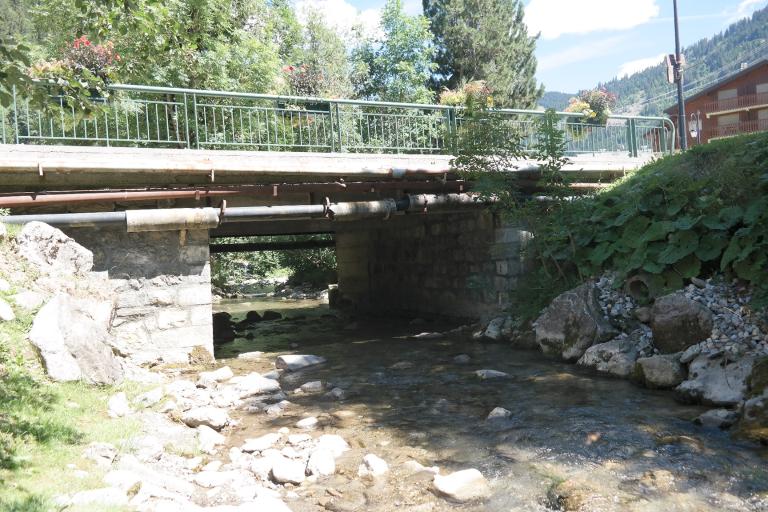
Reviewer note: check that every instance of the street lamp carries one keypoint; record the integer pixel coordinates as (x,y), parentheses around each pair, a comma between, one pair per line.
(679,80)
(694,126)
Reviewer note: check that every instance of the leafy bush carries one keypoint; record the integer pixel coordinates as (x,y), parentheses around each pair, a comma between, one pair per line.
(688,215)
(594,105)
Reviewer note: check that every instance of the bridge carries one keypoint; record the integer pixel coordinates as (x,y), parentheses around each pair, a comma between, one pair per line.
(153,174)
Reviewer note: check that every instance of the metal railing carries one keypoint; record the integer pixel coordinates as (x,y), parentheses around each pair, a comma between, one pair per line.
(731,130)
(144,116)
(737,103)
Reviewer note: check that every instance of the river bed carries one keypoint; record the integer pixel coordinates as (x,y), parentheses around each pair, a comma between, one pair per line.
(574,440)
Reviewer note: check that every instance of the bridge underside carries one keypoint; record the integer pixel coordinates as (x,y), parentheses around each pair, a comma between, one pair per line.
(426,261)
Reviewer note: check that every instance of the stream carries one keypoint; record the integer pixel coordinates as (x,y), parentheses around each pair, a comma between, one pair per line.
(574,440)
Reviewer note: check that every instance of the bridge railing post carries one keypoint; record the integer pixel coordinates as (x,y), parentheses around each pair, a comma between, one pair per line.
(186,122)
(15,117)
(339,143)
(632,138)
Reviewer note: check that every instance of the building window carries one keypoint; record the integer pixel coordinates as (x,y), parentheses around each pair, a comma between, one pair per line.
(728,119)
(761,89)
(727,94)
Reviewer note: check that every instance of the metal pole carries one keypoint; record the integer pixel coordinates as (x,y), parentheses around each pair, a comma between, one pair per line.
(679,79)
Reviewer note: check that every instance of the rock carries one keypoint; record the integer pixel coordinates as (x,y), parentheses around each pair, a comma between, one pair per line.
(491,374)
(643,314)
(28,300)
(616,357)
(679,322)
(690,353)
(107,496)
(297,362)
(575,496)
(213,417)
(3,231)
(285,471)
(426,336)
(494,330)
(223,329)
(271,315)
(149,398)
(462,359)
(5,286)
(298,439)
(148,448)
(336,394)
(332,442)
(209,379)
(312,387)
(208,439)
(72,337)
(715,381)
(499,413)
(254,384)
(117,407)
(147,474)
(572,323)
(307,423)
(51,251)
(101,453)
(413,466)
(123,480)
(463,486)
(658,480)
(659,371)
(754,420)
(6,311)
(372,467)
(717,418)
(260,444)
(321,462)
(250,356)
(402,365)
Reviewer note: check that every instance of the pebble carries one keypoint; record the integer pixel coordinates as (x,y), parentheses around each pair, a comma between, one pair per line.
(285,470)
(372,466)
(6,312)
(499,413)
(463,486)
(314,386)
(307,423)
(491,374)
(117,407)
(297,362)
(260,444)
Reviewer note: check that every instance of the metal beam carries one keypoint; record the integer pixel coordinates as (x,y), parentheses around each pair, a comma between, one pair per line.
(271,246)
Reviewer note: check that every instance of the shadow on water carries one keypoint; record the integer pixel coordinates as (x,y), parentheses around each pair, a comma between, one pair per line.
(408,399)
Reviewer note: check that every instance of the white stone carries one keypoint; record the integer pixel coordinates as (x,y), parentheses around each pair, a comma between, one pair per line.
(51,251)
(285,470)
(168,406)
(123,480)
(117,407)
(499,413)
(148,448)
(413,466)
(208,439)
(314,386)
(250,356)
(213,417)
(28,300)
(307,423)
(219,375)
(321,462)
(372,466)
(259,444)
(101,453)
(298,439)
(6,312)
(109,496)
(335,443)
(716,381)
(717,418)
(491,374)
(180,388)
(463,486)
(149,398)
(5,286)
(296,362)
(210,479)
(255,384)
(337,394)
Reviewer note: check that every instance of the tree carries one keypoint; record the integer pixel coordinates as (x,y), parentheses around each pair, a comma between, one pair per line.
(485,40)
(397,65)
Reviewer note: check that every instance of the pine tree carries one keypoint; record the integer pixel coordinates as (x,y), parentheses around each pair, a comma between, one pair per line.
(485,40)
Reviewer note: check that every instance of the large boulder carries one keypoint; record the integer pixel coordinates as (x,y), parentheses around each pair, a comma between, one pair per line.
(679,322)
(51,251)
(716,381)
(616,357)
(462,486)
(659,372)
(754,420)
(572,323)
(71,335)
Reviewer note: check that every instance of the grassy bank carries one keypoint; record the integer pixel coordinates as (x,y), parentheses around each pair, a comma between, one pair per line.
(45,426)
(694,214)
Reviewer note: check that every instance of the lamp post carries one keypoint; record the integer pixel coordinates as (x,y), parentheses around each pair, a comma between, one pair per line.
(679,79)
(694,126)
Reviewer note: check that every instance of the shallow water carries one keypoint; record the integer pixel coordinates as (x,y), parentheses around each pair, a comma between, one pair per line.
(611,441)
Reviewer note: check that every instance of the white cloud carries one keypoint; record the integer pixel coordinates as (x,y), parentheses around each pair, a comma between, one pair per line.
(554,18)
(745,9)
(633,66)
(341,15)
(580,53)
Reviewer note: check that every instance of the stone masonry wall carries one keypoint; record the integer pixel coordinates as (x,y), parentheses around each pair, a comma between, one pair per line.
(446,264)
(162,287)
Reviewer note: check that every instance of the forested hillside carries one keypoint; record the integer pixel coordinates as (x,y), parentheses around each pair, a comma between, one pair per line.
(555,100)
(708,60)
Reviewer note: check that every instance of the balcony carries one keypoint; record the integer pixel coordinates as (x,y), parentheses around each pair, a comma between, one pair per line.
(743,102)
(730,130)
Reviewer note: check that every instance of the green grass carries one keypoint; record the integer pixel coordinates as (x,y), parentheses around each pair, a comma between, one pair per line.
(45,426)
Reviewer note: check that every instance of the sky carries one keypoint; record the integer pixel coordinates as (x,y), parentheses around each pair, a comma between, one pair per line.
(583,42)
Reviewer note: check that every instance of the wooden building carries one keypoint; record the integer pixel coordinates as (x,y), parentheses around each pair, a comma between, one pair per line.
(735,105)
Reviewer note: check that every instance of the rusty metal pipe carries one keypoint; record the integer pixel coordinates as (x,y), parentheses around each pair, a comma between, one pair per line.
(84,197)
